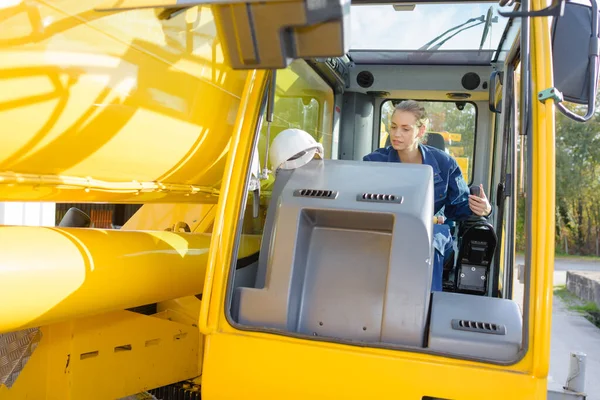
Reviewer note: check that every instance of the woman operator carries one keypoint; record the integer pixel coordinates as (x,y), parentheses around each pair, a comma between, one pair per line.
(407,129)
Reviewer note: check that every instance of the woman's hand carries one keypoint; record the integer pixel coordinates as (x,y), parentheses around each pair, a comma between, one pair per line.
(480,204)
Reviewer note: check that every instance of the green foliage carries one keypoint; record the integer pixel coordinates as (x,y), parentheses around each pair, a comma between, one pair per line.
(578,184)
(577,187)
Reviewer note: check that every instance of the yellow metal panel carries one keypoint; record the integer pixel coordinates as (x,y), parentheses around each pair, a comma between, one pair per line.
(455,137)
(372,371)
(115,97)
(463,163)
(293,369)
(383,135)
(542,197)
(107,357)
(456,151)
(229,205)
(57,188)
(50,274)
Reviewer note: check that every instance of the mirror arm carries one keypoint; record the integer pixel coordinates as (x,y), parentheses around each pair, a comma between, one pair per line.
(556,9)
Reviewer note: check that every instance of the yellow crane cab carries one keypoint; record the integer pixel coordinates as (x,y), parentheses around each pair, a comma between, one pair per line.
(196,253)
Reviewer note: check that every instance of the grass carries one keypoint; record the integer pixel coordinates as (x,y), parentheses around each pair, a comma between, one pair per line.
(576,257)
(570,257)
(589,310)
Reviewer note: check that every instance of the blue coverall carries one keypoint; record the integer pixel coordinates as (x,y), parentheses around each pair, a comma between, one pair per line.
(451,193)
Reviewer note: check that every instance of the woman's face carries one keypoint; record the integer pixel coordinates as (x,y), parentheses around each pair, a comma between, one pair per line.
(404,132)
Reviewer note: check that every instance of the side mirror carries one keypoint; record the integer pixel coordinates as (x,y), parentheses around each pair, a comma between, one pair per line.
(575,56)
(495,104)
(267,34)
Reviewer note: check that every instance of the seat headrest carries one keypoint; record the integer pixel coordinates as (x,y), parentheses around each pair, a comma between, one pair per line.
(436,140)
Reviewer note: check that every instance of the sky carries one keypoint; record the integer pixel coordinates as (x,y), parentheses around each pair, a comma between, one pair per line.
(381,27)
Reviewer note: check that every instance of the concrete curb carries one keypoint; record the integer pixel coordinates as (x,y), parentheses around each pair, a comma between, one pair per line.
(585,285)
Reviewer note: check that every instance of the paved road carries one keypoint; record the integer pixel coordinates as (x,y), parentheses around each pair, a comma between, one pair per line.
(573,333)
(570,331)
(561,264)
(575,264)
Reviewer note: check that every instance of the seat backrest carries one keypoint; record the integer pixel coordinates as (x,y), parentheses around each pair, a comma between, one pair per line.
(436,140)
(433,139)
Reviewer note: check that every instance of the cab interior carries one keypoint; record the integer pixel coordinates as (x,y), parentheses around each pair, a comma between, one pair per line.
(339,260)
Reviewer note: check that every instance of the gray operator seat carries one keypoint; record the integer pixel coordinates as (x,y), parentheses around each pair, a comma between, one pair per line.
(346,253)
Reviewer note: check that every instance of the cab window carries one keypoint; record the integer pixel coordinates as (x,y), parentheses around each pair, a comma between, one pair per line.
(454,121)
(304,101)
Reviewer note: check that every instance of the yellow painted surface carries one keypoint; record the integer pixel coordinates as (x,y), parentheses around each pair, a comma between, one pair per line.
(230,202)
(542,225)
(324,369)
(463,163)
(296,369)
(78,272)
(455,137)
(137,90)
(383,135)
(117,97)
(162,352)
(457,151)
(450,137)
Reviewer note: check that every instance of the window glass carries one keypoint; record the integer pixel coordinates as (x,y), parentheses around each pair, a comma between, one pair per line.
(446,118)
(304,101)
(450,26)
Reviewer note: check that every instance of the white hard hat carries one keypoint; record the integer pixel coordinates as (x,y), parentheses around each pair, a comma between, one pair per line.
(293,148)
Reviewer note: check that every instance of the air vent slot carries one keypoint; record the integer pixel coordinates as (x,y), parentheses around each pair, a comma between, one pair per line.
(379,197)
(480,327)
(316,193)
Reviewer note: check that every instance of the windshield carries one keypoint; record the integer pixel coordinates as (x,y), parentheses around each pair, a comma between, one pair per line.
(425,26)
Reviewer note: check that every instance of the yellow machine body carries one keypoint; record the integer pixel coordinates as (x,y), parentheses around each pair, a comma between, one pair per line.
(129,107)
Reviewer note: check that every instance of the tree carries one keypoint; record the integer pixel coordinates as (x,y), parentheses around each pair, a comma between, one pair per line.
(578,183)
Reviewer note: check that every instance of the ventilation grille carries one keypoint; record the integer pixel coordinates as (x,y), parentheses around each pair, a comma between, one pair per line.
(481,327)
(365,79)
(316,193)
(380,198)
